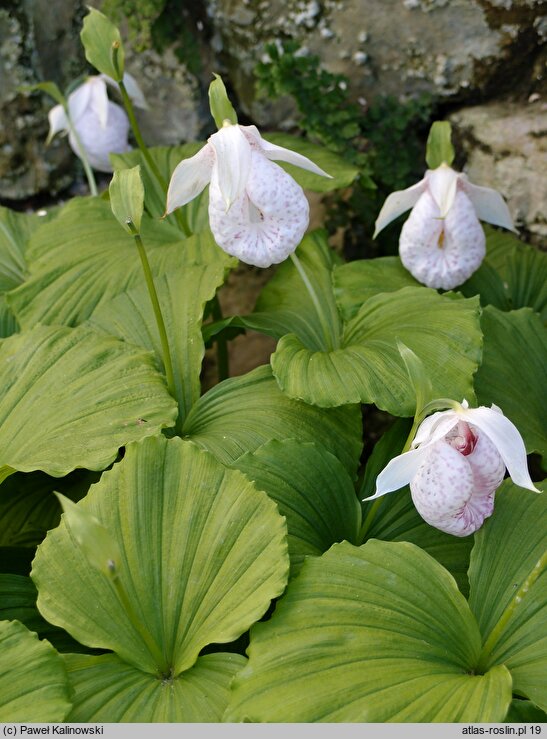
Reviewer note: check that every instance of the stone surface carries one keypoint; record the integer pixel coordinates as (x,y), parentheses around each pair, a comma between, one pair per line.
(505,146)
(453,49)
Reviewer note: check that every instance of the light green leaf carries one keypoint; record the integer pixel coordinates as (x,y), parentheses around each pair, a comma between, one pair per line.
(370,634)
(507,551)
(342,173)
(312,490)
(50,88)
(28,507)
(166,159)
(443,330)
(33,680)
(99,38)
(8,322)
(182,295)
(106,689)
(95,260)
(356,282)
(242,413)
(127,198)
(15,231)
(285,306)
(439,145)
(71,397)
(221,107)
(202,555)
(515,347)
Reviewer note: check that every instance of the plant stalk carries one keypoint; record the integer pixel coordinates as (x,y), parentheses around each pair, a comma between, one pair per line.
(167,363)
(83,156)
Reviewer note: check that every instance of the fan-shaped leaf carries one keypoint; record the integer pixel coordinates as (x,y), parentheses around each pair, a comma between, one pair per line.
(33,681)
(202,554)
(509,551)
(71,397)
(242,413)
(312,490)
(371,634)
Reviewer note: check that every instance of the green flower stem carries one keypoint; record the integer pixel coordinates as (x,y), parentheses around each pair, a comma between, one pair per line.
(168,365)
(223,360)
(83,156)
(315,300)
(155,651)
(130,110)
(507,615)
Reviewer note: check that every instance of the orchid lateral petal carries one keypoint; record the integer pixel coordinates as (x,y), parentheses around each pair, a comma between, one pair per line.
(280,153)
(489,204)
(189,178)
(57,121)
(232,162)
(397,203)
(398,472)
(442,183)
(505,436)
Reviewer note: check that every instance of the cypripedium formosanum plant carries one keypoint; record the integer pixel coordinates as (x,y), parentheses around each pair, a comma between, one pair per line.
(257,212)
(456,462)
(442,242)
(101,125)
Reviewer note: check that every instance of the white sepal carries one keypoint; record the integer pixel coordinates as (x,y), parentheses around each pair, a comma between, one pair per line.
(397,203)
(189,178)
(489,204)
(442,183)
(57,121)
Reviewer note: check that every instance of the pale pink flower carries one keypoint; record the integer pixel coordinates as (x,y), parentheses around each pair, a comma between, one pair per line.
(257,212)
(442,242)
(101,125)
(457,461)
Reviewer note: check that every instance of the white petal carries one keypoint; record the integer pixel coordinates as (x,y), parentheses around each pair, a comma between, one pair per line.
(232,162)
(397,203)
(435,427)
(280,153)
(98,100)
(267,222)
(442,183)
(78,101)
(57,121)
(99,142)
(442,253)
(398,472)
(505,436)
(442,491)
(189,178)
(489,204)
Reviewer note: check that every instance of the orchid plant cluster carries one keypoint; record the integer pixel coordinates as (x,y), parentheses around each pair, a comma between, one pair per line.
(188,514)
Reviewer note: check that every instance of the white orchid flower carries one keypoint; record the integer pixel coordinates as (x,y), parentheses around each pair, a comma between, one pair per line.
(442,242)
(101,125)
(457,461)
(257,212)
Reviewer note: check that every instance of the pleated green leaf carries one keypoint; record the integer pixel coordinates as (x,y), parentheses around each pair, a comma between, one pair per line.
(182,295)
(312,490)
(515,347)
(72,397)
(342,173)
(242,413)
(285,306)
(371,634)
(94,260)
(522,711)
(15,231)
(443,331)
(510,552)
(106,689)
(33,680)
(8,322)
(356,282)
(202,555)
(28,507)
